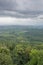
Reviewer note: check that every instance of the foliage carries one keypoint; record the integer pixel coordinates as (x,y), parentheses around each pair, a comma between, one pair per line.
(21,45)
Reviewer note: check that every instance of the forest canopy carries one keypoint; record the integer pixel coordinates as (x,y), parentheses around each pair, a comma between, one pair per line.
(21,45)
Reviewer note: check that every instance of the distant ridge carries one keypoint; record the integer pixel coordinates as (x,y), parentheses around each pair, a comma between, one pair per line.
(23,26)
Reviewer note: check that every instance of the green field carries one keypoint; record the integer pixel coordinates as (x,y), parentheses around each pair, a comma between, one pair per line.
(21,45)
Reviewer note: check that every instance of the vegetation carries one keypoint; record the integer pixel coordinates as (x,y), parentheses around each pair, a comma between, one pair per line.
(21,45)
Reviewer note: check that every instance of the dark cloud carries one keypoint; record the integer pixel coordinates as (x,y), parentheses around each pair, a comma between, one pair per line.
(7,5)
(21,8)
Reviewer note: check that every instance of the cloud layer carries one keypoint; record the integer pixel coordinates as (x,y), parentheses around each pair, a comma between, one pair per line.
(19,12)
(23,8)
(21,21)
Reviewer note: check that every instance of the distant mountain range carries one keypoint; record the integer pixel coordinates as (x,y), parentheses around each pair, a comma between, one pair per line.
(22,26)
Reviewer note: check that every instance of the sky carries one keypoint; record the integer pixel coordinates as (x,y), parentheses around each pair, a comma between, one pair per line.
(21,12)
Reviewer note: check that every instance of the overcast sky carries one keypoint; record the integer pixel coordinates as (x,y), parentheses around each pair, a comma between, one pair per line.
(21,12)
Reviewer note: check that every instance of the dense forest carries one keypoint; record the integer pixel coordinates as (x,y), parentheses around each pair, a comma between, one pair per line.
(21,45)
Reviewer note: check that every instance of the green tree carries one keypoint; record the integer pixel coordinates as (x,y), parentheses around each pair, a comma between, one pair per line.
(5,57)
(21,55)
